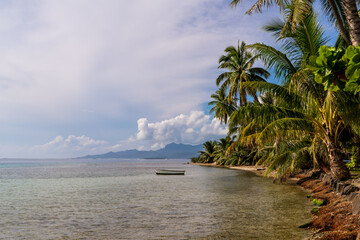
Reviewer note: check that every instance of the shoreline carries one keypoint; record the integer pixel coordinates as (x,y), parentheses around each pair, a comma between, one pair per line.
(258,170)
(334,219)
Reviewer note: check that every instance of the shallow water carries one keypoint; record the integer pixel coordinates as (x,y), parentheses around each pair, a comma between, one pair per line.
(113,199)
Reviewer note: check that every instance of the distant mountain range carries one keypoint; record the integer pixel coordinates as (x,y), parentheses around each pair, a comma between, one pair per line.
(172,150)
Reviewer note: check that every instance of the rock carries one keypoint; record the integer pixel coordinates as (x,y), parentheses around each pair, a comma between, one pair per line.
(352,196)
(340,186)
(356,204)
(333,183)
(349,189)
(326,178)
(314,174)
(343,187)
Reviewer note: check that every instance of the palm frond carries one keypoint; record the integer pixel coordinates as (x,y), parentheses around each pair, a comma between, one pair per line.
(272,130)
(296,12)
(261,114)
(275,60)
(277,91)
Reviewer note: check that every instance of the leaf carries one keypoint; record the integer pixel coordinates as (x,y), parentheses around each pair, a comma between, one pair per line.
(318,78)
(350,52)
(321,61)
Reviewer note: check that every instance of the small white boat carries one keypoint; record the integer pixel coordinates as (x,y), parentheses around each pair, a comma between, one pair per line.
(169,172)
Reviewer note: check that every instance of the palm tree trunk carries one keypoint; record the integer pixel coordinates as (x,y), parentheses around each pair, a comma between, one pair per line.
(338,169)
(353,19)
(242,96)
(340,22)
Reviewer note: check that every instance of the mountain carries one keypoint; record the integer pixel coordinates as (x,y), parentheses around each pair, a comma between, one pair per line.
(172,150)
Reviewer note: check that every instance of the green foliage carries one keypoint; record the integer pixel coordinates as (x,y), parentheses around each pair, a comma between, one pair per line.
(226,153)
(329,68)
(195,159)
(222,108)
(337,69)
(352,164)
(352,71)
(315,211)
(318,202)
(238,63)
(206,156)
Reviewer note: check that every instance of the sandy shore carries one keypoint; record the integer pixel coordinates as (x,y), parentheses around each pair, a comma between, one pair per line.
(258,170)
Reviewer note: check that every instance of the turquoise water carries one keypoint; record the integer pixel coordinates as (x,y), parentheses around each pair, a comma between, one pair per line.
(124,199)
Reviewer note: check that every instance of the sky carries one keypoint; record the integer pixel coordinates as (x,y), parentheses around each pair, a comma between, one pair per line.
(81,77)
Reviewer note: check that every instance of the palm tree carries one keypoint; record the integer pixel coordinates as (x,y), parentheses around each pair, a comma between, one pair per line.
(221,148)
(208,155)
(221,106)
(301,42)
(239,63)
(300,119)
(344,13)
(308,119)
(353,20)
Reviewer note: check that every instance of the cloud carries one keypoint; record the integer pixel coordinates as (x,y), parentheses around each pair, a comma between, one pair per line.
(74,142)
(74,146)
(194,128)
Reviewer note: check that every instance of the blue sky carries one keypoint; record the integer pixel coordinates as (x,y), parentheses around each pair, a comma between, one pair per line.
(88,76)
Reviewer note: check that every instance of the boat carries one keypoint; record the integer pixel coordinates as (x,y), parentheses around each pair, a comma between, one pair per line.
(169,172)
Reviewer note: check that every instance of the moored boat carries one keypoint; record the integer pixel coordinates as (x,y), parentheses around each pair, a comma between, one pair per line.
(169,172)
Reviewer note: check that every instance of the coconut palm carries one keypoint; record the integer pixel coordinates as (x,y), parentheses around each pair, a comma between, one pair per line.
(297,46)
(301,119)
(353,19)
(239,63)
(220,150)
(344,13)
(239,155)
(318,121)
(208,155)
(222,108)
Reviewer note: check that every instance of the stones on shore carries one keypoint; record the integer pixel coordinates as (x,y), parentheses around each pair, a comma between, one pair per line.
(349,189)
(356,203)
(342,188)
(338,218)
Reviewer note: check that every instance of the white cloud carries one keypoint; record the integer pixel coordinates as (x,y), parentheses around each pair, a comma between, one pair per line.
(74,142)
(73,146)
(194,128)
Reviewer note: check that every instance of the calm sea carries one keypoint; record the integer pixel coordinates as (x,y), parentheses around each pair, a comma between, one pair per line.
(124,199)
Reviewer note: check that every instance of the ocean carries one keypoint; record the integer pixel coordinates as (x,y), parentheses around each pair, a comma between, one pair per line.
(124,199)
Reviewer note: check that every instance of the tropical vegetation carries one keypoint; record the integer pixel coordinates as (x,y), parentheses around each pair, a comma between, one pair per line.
(308,115)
